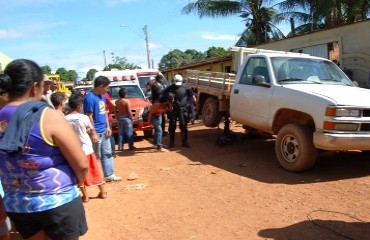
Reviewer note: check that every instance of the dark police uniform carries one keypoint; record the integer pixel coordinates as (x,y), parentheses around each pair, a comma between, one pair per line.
(179,112)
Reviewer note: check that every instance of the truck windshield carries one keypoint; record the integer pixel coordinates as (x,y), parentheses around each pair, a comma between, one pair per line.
(292,70)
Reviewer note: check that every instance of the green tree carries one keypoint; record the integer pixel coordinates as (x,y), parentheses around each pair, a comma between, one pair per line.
(311,15)
(357,10)
(90,74)
(46,69)
(113,66)
(71,75)
(217,52)
(195,55)
(306,14)
(177,58)
(173,59)
(63,74)
(259,18)
(337,12)
(121,63)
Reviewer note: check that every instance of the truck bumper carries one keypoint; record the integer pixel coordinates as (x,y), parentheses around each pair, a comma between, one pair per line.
(334,141)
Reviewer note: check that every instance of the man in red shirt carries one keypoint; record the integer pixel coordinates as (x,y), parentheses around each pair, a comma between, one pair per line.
(109,106)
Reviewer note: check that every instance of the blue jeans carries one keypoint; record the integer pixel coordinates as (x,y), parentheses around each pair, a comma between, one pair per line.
(103,153)
(112,141)
(158,131)
(125,129)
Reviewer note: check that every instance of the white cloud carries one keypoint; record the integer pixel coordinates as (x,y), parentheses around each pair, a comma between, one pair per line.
(7,5)
(113,3)
(83,70)
(218,37)
(32,30)
(10,34)
(155,46)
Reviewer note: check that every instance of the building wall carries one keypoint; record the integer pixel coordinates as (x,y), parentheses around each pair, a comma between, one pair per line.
(348,45)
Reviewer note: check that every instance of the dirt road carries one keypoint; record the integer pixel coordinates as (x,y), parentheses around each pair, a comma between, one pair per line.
(231,192)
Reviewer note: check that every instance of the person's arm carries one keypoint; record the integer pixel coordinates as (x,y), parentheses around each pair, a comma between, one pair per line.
(129,110)
(89,111)
(194,99)
(108,107)
(87,123)
(116,112)
(94,135)
(108,131)
(150,114)
(67,141)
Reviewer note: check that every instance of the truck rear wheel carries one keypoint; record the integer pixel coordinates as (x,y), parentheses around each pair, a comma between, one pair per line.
(294,148)
(211,117)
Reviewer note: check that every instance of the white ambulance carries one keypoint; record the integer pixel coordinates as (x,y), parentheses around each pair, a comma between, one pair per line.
(139,103)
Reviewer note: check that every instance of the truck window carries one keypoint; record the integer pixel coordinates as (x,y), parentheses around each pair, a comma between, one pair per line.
(254,66)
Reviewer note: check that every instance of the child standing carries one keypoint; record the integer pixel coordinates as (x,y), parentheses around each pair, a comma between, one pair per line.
(82,126)
(124,118)
(58,100)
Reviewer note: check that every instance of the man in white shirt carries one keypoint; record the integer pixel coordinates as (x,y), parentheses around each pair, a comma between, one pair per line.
(47,90)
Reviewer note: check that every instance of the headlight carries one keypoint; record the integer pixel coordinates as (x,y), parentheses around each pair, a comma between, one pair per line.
(342,112)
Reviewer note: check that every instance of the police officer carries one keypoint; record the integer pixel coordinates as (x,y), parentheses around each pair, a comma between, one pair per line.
(157,87)
(180,94)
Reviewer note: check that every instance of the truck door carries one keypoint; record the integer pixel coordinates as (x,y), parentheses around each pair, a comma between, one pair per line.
(251,94)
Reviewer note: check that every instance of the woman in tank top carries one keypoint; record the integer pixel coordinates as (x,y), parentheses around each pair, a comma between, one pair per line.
(41,160)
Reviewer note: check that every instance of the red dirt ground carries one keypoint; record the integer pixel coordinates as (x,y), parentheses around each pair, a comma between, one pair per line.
(231,192)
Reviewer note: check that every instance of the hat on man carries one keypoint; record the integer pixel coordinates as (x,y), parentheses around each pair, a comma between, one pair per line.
(46,78)
(152,78)
(177,79)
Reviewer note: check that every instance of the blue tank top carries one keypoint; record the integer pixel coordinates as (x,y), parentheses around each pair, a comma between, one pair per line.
(40,178)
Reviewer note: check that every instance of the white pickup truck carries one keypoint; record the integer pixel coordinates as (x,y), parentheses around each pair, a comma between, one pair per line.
(306,101)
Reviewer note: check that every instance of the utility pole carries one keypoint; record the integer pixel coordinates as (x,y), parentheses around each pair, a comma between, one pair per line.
(105,59)
(147,44)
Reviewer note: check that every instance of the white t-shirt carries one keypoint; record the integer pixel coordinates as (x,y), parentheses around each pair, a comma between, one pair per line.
(80,123)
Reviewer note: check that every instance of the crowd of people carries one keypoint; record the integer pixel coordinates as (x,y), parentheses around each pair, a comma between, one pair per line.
(45,170)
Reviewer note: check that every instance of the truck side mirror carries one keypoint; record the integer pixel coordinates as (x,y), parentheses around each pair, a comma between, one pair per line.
(260,80)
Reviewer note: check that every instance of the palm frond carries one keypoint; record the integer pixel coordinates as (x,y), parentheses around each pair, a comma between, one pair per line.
(212,8)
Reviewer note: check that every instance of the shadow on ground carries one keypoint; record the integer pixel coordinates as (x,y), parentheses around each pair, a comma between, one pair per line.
(255,158)
(320,229)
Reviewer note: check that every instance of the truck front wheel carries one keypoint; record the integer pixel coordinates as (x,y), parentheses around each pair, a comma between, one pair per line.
(211,117)
(294,148)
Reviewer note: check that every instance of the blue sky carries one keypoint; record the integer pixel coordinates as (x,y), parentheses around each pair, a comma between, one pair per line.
(74,33)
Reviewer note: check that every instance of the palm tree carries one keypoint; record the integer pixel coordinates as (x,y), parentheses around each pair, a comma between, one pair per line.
(359,10)
(259,18)
(345,11)
(302,12)
(318,14)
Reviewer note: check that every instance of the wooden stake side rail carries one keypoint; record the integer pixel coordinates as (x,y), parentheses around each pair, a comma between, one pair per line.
(215,83)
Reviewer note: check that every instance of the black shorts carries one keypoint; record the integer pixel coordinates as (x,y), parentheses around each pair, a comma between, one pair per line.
(66,222)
